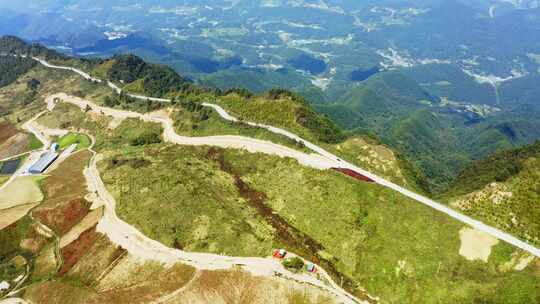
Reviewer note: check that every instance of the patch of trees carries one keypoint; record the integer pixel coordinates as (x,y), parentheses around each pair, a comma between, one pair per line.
(157,80)
(33,84)
(147,137)
(129,103)
(361,75)
(17,46)
(307,63)
(279,93)
(239,91)
(134,163)
(12,68)
(496,168)
(321,126)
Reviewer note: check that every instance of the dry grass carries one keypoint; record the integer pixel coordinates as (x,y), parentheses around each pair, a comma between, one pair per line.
(67,182)
(65,189)
(45,263)
(239,287)
(11,215)
(64,216)
(95,261)
(23,190)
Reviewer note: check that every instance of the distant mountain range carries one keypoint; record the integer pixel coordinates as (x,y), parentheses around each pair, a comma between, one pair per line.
(464,72)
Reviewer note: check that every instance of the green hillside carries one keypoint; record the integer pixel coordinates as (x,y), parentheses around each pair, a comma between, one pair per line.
(503,190)
(437,137)
(496,168)
(141,77)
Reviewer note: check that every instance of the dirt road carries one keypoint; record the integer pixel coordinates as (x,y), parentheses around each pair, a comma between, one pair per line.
(140,246)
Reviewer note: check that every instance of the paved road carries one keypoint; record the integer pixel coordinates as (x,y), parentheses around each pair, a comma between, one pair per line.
(422,199)
(344,164)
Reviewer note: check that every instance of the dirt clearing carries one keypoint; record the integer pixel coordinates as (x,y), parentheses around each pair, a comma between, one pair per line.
(476,245)
(237,286)
(23,190)
(7,130)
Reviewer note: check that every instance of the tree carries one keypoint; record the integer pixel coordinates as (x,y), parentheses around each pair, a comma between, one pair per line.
(295,263)
(33,84)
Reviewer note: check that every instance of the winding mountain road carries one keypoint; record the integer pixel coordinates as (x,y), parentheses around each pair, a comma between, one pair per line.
(336,162)
(140,246)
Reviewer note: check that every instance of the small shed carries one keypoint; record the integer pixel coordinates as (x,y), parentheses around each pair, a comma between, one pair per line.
(54,147)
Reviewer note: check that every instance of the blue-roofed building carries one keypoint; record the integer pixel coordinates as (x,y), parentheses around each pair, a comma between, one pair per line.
(43,163)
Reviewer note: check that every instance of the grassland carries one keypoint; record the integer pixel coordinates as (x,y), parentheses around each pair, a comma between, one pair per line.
(18,103)
(206,122)
(3,179)
(398,249)
(192,120)
(245,204)
(372,229)
(278,113)
(69,139)
(512,205)
(189,203)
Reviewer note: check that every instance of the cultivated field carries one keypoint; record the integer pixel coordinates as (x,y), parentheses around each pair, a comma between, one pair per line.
(23,190)
(12,215)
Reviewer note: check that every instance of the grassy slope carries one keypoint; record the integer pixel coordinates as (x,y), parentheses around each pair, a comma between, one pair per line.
(282,112)
(179,197)
(365,243)
(67,140)
(206,122)
(361,150)
(24,103)
(503,190)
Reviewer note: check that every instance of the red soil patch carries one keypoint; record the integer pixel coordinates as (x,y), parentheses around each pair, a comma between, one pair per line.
(63,217)
(354,174)
(73,252)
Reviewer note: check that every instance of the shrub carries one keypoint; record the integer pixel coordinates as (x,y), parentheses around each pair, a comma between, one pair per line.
(295,263)
(146,138)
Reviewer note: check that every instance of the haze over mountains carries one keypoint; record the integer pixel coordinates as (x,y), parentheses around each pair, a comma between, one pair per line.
(464,70)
